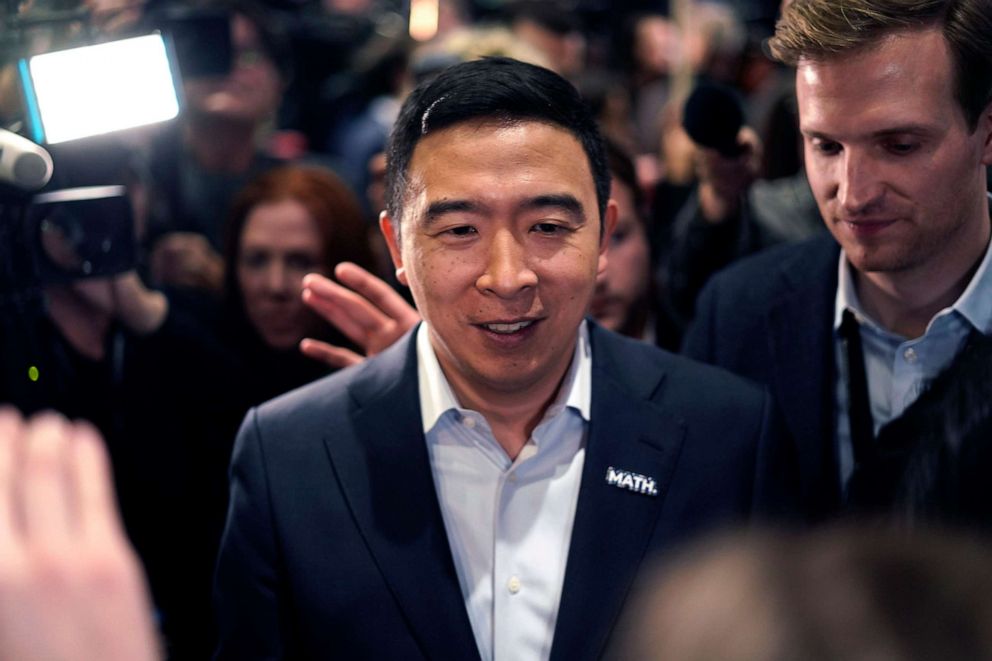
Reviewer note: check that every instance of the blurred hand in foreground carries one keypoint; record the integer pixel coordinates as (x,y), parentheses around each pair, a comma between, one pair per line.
(71,587)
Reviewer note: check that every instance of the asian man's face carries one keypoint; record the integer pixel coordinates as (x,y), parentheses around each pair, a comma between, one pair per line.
(501,245)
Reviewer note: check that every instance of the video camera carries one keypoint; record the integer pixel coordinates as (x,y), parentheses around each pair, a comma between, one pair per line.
(58,221)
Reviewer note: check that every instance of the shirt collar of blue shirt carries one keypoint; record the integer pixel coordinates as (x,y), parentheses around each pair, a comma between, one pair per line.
(436,396)
(974,303)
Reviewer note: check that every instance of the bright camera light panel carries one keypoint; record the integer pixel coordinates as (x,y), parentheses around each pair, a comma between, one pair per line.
(108,87)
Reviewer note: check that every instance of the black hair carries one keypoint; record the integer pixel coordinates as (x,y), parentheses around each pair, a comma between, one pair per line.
(499,89)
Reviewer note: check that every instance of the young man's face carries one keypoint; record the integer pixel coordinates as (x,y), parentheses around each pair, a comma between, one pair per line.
(501,247)
(897,173)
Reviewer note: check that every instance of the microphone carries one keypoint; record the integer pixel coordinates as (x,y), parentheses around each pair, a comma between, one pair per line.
(713,116)
(23,164)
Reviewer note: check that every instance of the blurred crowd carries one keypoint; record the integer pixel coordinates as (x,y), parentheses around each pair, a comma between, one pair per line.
(275,169)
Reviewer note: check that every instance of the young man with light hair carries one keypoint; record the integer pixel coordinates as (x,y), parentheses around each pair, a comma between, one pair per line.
(895,109)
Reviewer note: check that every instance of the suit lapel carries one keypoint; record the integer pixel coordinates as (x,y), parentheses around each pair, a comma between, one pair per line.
(385,474)
(613,525)
(803,369)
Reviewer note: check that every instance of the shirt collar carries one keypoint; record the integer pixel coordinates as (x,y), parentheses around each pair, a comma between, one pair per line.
(974,303)
(436,396)
(846,297)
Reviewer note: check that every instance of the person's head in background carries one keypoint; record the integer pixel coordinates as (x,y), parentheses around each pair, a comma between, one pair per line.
(251,92)
(714,41)
(610,101)
(471,43)
(288,222)
(652,47)
(622,301)
(553,29)
(851,594)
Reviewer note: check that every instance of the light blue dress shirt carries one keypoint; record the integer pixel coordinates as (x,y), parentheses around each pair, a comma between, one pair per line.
(509,523)
(898,368)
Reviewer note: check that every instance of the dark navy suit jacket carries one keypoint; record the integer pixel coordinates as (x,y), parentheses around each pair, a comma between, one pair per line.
(770,318)
(335,546)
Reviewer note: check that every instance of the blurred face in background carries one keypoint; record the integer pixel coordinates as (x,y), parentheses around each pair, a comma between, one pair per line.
(621,289)
(251,92)
(280,243)
(656,46)
(565,52)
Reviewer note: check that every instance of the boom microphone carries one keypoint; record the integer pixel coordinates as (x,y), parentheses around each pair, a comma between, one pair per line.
(23,164)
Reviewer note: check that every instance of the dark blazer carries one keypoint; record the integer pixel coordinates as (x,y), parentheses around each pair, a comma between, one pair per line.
(770,318)
(335,546)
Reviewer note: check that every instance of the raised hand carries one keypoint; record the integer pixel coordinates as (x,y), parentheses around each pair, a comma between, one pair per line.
(363,307)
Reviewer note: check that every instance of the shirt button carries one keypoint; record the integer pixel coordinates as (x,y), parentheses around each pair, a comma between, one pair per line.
(513,585)
(512,478)
(469,422)
(910,355)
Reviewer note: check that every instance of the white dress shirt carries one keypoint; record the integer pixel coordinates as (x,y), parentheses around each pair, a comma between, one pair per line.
(509,523)
(897,368)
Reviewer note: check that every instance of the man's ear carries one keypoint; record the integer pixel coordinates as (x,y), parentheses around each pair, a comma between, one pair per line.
(609,224)
(391,232)
(985,126)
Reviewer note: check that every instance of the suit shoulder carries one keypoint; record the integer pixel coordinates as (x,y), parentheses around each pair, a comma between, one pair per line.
(290,428)
(704,396)
(778,266)
(309,399)
(742,294)
(718,386)
(334,394)
(642,367)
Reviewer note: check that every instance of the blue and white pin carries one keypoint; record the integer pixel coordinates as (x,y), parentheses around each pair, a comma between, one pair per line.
(631,481)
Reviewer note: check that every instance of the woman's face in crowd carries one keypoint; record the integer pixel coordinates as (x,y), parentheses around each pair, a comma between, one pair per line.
(280,243)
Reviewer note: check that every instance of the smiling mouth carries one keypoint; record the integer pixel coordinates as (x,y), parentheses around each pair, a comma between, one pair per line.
(876,221)
(868,227)
(507,328)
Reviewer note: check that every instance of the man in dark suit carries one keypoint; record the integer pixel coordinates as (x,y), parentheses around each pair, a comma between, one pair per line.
(895,107)
(490,486)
